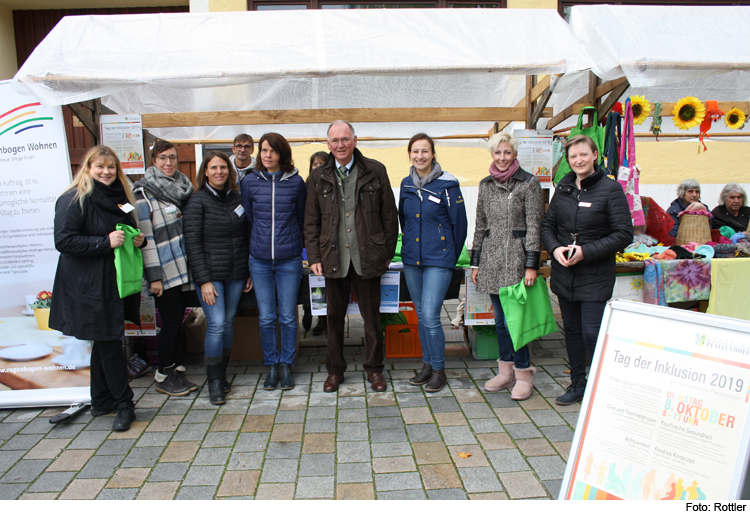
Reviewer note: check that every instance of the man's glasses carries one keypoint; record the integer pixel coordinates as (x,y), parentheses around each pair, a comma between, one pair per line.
(243,147)
(163,159)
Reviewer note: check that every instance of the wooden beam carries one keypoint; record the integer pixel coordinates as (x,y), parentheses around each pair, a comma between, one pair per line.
(666,108)
(613,97)
(82,113)
(542,103)
(530,81)
(606,87)
(357,115)
(566,113)
(536,92)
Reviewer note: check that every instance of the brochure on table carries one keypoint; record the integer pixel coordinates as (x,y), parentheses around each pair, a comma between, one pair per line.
(665,416)
(389,291)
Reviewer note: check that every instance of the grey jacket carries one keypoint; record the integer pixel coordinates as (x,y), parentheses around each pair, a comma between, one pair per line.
(507,231)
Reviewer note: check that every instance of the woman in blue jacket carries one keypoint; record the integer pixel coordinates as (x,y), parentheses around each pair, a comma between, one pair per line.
(274,200)
(433,221)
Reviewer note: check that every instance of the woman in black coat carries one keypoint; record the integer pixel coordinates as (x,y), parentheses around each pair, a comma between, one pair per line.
(216,239)
(86,303)
(587,223)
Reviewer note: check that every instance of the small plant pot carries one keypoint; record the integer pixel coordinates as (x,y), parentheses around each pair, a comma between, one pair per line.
(42,318)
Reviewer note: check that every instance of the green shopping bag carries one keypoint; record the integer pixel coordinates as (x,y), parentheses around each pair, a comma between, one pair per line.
(528,312)
(128,263)
(595,132)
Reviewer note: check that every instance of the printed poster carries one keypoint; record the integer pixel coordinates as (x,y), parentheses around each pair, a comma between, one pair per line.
(124,135)
(478,308)
(535,154)
(389,292)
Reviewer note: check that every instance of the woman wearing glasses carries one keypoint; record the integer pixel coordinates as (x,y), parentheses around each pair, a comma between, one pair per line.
(160,197)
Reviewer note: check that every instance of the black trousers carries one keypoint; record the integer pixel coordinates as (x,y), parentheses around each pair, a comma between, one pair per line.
(109,377)
(581,322)
(368,298)
(171,306)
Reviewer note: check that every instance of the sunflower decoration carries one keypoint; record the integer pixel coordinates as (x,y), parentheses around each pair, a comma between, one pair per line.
(688,113)
(735,119)
(641,109)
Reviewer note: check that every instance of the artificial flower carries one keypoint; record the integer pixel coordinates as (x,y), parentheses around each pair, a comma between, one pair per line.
(688,113)
(735,118)
(641,109)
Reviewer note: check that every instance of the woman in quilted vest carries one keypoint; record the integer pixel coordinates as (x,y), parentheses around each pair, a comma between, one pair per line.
(274,200)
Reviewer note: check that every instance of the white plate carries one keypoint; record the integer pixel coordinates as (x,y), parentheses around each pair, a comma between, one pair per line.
(25,352)
(60,360)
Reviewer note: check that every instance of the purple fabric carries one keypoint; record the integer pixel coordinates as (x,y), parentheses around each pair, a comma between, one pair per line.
(504,176)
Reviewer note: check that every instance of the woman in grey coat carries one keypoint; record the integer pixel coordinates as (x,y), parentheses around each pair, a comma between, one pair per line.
(506,251)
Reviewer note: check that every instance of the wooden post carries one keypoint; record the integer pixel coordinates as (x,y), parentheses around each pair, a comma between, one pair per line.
(530,82)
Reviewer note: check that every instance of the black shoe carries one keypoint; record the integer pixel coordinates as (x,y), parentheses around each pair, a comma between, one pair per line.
(287,381)
(307,318)
(216,392)
(437,381)
(215,375)
(321,327)
(574,392)
(172,385)
(124,418)
(423,377)
(189,385)
(224,364)
(101,412)
(272,380)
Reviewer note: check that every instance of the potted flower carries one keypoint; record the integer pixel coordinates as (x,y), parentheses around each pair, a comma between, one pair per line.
(41,309)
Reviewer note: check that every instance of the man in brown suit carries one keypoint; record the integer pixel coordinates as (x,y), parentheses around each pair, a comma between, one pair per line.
(351,229)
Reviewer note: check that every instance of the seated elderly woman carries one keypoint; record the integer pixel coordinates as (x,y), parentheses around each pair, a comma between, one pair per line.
(732,210)
(688,199)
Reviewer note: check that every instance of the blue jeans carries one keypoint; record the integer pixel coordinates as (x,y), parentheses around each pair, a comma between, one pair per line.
(220,316)
(427,287)
(272,279)
(507,352)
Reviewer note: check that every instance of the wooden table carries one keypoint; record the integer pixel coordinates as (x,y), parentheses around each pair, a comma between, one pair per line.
(41,373)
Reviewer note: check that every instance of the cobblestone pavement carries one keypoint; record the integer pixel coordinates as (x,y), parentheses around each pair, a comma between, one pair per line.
(304,443)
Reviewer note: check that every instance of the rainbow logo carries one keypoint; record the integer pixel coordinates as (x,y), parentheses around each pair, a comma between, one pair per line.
(21,119)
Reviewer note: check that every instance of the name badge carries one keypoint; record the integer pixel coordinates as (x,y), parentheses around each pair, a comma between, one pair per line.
(126,208)
(584,204)
(434,199)
(170,209)
(240,210)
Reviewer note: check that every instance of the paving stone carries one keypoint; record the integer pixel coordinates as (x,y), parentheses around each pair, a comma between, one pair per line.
(391,449)
(151,400)
(417,415)
(383,412)
(38,425)
(22,415)
(69,430)
(447,494)
(101,466)
(488,496)
(476,457)
(203,476)
(402,495)
(355,492)
(143,457)
(235,406)
(290,417)
(71,460)
(225,439)
(351,415)
(486,425)
(458,435)
(169,472)
(258,424)
(321,413)
(444,405)
(559,433)
(116,447)
(563,448)
(287,433)
(175,406)
(322,398)
(135,431)
(158,491)
(314,488)
(391,422)
(411,399)
(500,400)
(8,458)
(481,373)
(275,492)
(52,481)
(353,452)
(320,426)
(479,479)
(397,482)
(450,418)
(196,493)
(117,494)
(200,416)
(212,456)
(388,435)
(423,433)
(226,423)
(38,496)
(262,407)
(83,489)
(319,443)
(512,415)
(440,476)
(553,487)
(21,442)
(397,464)
(164,424)
(284,450)
(346,473)
(191,431)
(7,430)
(251,442)
(477,410)
(352,431)
(525,430)
(535,447)
(351,403)
(317,465)
(507,461)
(536,402)
(180,452)
(381,399)
(154,439)
(548,467)
(522,485)
(281,470)
(128,478)
(546,417)
(241,461)
(431,453)
(11,491)
(570,417)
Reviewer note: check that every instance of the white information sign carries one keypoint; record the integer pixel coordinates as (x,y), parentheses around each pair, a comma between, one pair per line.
(478,308)
(124,135)
(389,292)
(665,415)
(535,154)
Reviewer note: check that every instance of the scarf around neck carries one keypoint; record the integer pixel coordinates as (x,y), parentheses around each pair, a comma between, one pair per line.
(107,200)
(420,182)
(175,190)
(504,176)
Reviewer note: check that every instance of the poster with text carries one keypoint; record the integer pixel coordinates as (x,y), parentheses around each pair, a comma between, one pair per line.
(34,171)
(124,135)
(389,291)
(535,153)
(478,308)
(665,415)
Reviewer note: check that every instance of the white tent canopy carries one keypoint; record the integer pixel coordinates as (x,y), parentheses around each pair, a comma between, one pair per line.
(313,59)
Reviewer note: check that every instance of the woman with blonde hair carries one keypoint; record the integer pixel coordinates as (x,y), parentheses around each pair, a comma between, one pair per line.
(86,303)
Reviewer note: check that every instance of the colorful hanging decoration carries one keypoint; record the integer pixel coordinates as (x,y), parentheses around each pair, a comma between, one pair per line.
(655,127)
(688,113)
(712,114)
(641,109)
(735,119)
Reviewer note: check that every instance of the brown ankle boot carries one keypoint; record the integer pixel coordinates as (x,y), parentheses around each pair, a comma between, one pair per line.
(423,377)
(437,381)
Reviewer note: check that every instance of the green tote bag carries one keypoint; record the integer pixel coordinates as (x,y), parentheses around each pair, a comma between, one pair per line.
(128,263)
(528,312)
(595,132)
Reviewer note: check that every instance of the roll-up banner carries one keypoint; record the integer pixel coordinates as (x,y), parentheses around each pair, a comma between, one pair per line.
(37,367)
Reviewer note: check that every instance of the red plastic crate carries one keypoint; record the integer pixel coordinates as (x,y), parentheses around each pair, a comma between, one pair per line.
(409,311)
(402,341)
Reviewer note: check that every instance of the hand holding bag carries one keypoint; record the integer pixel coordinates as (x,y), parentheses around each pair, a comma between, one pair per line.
(128,263)
(629,173)
(528,312)
(595,132)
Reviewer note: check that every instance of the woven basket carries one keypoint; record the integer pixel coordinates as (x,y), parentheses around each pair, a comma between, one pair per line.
(693,228)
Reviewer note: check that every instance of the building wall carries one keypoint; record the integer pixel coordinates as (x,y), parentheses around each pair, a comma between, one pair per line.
(8,66)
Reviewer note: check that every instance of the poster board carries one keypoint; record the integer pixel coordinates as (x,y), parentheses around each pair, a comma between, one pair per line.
(629,287)
(477,306)
(389,291)
(666,409)
(535,154)
(124,134)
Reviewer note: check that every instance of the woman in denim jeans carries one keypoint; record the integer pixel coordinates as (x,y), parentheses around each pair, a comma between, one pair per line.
(274,199)
(216,239)
(433,221)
